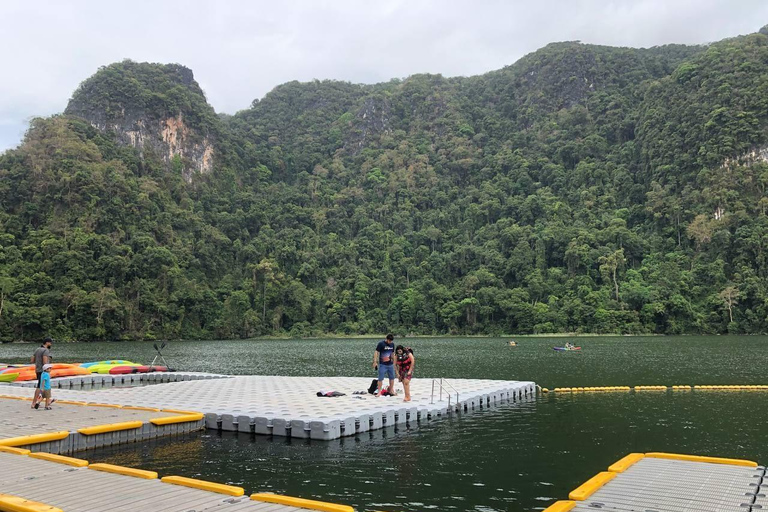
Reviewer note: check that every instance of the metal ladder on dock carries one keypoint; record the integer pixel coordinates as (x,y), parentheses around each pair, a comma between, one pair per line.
(442,384)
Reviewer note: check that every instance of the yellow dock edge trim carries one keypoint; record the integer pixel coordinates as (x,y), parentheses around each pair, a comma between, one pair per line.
(34,439)
(231,490)
(15,451)
(110,427)
(61,459)
(697,458)
(560,506)
(121,470)
(70,402)
(14,397)
(176,411)
(589,487)
(300,502)
(623,464)
(110,406)
(168,420)
(137,408)
(17,504)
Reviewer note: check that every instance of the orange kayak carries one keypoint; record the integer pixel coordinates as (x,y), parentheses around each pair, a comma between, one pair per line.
(58,370)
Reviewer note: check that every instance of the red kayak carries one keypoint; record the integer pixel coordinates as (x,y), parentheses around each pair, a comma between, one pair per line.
(123,370)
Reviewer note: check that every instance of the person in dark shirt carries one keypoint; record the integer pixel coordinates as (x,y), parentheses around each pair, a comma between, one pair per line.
(41,357)
(384,362)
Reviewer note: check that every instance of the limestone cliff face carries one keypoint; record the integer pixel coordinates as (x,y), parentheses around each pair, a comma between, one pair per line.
(158,109)
(371,120)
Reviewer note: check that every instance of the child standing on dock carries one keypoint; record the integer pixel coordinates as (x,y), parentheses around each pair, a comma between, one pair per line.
(45,386)
(40,358)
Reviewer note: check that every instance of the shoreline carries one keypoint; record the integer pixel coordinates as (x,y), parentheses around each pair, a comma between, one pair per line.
(377,336)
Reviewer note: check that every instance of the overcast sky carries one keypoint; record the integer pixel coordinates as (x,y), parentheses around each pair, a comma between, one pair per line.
(240,49)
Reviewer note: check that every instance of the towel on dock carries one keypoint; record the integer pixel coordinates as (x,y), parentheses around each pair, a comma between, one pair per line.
(330,393)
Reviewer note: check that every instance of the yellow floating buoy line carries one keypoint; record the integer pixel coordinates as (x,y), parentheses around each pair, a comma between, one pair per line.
(591,389)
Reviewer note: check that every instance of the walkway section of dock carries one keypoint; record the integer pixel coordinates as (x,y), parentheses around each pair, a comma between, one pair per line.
(671,483)
(128,379)
(41,482)
(291,407)
(70,427)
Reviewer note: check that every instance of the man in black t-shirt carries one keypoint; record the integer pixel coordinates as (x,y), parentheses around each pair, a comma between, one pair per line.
(384,361)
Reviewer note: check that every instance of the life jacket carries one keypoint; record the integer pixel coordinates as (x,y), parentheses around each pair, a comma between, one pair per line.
(404,361)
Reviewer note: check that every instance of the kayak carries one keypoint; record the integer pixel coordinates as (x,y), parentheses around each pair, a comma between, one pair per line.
(69,372)
(58,370)
(17,369)
(114,361)
(123,370)
(8,377)
(565,349)
(105,368)
(31,367)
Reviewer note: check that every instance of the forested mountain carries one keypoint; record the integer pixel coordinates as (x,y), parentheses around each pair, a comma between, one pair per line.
(583,188)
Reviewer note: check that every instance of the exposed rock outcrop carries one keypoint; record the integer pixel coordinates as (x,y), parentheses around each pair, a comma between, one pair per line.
(158,109)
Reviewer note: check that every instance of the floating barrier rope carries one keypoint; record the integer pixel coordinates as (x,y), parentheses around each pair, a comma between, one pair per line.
(591,389)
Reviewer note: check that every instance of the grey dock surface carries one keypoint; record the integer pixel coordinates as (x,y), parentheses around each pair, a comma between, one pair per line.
(130,379)
(672,483)
(290,407)
(80,489)
(21,425)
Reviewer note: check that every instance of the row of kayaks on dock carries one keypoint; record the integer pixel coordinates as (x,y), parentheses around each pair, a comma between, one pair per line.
(20,373)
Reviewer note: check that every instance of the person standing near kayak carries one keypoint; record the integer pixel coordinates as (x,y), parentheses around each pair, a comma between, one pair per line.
(384,362)
(41,357)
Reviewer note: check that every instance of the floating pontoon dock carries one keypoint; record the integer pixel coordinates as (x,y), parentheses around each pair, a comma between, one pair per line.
(128,379)
(290,407)
(70,427)
(663,482)
(39,482)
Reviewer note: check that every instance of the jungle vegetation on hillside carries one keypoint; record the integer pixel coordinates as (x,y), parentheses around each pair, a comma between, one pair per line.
(582,189)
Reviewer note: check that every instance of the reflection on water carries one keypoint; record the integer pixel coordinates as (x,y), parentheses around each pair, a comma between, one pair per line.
(511,458)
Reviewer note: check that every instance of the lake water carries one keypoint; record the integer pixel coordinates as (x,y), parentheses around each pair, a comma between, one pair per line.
(510,458)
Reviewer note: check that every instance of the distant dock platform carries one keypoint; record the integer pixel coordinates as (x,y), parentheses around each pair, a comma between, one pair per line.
(290,407)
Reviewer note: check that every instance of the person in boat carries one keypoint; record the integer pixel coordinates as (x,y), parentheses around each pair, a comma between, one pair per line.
(512,343)
(569,345)
(405,364)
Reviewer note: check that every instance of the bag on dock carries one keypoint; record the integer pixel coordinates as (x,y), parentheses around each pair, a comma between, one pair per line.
(374,386)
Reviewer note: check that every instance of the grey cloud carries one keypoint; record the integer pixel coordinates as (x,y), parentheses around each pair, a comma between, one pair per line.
(239,50)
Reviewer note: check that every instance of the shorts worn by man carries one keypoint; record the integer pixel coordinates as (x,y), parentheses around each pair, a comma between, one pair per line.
(384,361)
(41,357)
